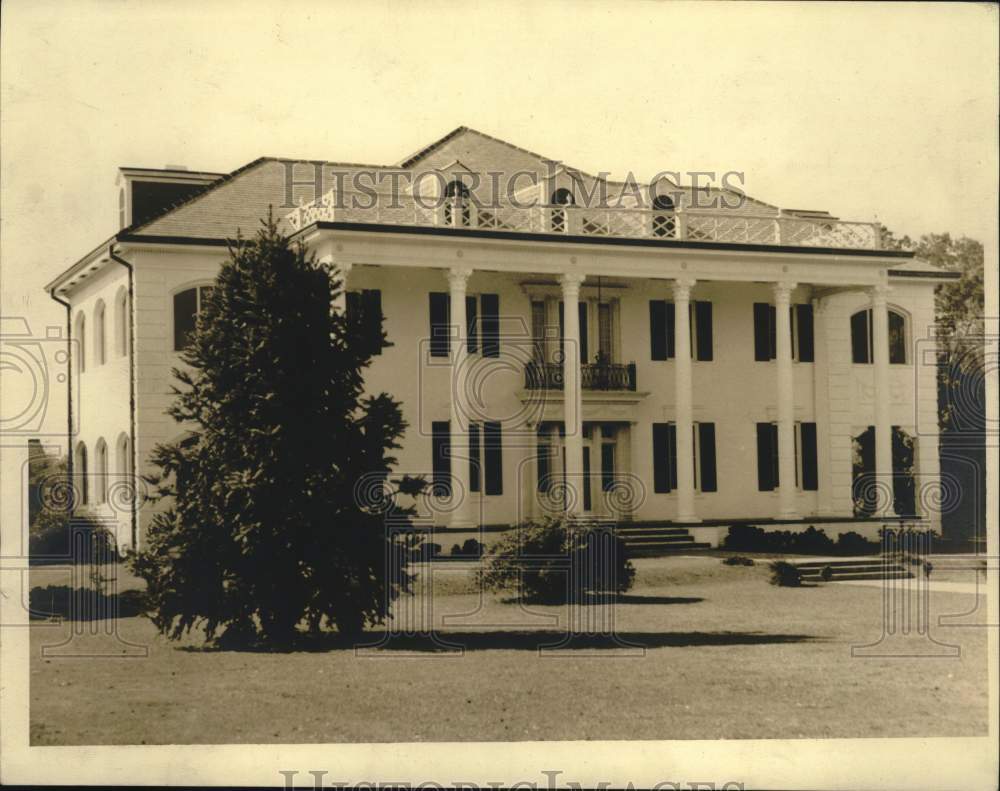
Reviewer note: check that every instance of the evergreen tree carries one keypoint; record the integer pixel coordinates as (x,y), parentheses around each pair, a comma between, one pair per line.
(264,530)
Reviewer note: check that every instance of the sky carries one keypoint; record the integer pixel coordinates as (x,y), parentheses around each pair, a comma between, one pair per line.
(868,110)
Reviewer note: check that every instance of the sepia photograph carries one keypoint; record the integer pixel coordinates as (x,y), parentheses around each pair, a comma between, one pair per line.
(531,395)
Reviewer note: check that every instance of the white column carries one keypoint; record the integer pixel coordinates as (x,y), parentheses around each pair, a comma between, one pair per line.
(786,401)
(572,396)
(883,425)
(341,269)
(460,516)
(682,401)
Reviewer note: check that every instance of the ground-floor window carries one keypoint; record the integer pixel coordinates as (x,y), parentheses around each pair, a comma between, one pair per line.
(806,469)
(865,486)
(665,457)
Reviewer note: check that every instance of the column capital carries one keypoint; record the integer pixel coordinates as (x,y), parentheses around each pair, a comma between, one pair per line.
(879,293)
(682,287)
(782,290)
(458,277)
(570,282)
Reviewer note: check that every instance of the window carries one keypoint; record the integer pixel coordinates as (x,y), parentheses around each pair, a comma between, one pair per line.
(765,332)
(99,345)
(81,474)
(662,330)
(485,458)
(538,330)
(188,304)
(862,340)
(101,471)
(123,452)
(440,458)
(482,318)
(121,322)
(806,468)
(665,457)
(664,221)
(604,347)
(364,314)
(456,206)
(81,342)
(557,219)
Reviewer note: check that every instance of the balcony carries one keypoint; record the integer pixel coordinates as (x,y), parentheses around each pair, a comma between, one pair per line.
(729,226)
(594,376)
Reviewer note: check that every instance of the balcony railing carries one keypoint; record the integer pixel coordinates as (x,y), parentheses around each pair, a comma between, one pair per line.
(729,226)
(593,376)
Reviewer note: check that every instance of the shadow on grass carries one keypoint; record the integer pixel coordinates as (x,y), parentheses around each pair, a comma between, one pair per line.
(515,640)
(83,604)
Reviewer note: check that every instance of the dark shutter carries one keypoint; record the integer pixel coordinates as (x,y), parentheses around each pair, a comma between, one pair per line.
(490,324)
(439,310)
(441,458)
(772,332)
(474,457)
(804,320)
(859,337)
(761,331)
(703,329)
(671,331)
(607,466)
(562,330)
(185,315)
(583,333)
(765,468)
(493,457)
(544,457)
(706,451)
(810,473)
(657,329)
(371,307)
(661,458)
(672,453)
(352,301)
(471,325)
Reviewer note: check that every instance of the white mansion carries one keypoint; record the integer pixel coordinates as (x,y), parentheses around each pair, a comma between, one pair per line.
(559,341)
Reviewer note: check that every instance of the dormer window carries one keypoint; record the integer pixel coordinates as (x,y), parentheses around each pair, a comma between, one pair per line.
(456,206)
(557,219)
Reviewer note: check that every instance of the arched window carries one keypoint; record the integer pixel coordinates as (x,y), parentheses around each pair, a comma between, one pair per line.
(101,471)
(862,337)
(80,472)
(123,454)
(664,222)
(121,322)
(457,204)
(100,347)
(81,342)
(557,219)
(187,305)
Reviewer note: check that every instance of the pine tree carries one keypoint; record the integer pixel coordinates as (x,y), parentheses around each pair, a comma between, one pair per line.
(264,531)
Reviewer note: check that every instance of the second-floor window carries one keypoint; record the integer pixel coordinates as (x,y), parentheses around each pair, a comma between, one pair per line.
(187,305)
(482,318)
(862,341)
(662,344)
(364,312)
(765,332)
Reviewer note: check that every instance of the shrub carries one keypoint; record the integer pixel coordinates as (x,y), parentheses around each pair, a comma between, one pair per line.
(851,543)
(738,560)
(556,560)
(785,574)
(470,548)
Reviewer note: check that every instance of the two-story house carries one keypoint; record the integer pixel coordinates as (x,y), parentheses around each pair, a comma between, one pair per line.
(560,342)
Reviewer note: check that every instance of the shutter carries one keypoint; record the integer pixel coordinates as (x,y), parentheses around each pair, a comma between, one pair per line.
(775,468)
(490,324)
(471,325)
(475,455)
(859,337)
(804,320)
(544,458)
(439,310)
(657,329)
(703,328)
(706,452)
(672,453)
(765,479)
(810,472)
(493,447)
(584,356)
(772,332)
(441,458)
(371,316)
(661,460)
(761,331)
(607,466)
(671,331)
(562,330)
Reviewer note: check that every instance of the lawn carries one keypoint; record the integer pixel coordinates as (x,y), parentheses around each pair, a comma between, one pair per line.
(705,651)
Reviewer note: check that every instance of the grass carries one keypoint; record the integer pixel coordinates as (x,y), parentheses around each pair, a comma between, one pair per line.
(716,652)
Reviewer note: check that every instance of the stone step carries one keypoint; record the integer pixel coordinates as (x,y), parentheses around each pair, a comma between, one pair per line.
(873,568)
(895,575)
(819,564)
(666,549)
(655,537)
(667,531)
